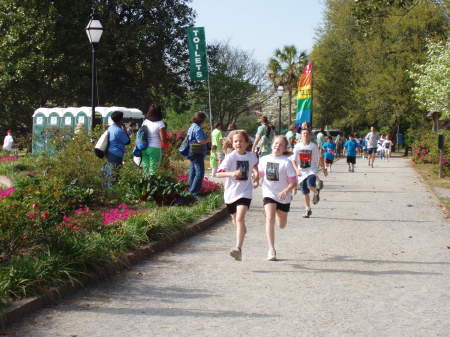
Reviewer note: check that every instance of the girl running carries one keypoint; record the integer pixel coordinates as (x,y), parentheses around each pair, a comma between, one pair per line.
(329,150)
(239,168)
(278,180)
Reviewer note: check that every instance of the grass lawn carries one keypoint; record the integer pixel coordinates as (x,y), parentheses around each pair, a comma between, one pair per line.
(429,174)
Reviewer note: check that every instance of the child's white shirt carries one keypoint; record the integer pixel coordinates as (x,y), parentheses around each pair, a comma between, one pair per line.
(277,172)
(307,158)
(8,142)
(235,189)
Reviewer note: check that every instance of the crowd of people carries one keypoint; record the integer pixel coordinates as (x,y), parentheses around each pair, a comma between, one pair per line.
(282,165)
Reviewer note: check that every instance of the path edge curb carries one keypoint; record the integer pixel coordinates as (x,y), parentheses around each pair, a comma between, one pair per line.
(19,309)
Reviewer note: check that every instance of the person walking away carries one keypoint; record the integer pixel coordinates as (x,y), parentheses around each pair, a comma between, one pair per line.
(372,140)
(216,155)
(329,149)
(156,134)
(197,158)
(350,148)
(306,158)
(265,144)
(387,146)
(8,141)
(260,132)
(320,139)
(291,136)
(338,142)
(132,128)
(278,179)
(239,168)
(117,139)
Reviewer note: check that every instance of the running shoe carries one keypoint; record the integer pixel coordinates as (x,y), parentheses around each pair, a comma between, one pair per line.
(316,197)
(349,169)
(308,213)
(236,253)
(319,184)
(271,255)
(353,169)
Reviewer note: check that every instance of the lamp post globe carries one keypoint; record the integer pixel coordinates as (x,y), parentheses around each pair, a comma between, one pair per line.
(94,31)
(280,90)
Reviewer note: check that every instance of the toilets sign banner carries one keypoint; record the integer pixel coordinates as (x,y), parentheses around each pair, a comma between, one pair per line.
(197,53)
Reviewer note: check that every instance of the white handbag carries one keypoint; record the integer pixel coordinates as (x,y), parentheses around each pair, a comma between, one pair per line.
(102,145)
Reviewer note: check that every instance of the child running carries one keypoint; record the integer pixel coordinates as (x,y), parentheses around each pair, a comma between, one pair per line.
(278,178)
(350,148)
(306,160)
(237,168)
(329,150)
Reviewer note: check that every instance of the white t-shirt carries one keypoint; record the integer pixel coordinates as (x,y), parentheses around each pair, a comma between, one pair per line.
(154,139)
(372,139)
(8,143)
(277,172)
(387,144)
(243,187)
(307,158)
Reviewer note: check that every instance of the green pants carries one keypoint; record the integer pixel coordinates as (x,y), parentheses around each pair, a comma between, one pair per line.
(151,159)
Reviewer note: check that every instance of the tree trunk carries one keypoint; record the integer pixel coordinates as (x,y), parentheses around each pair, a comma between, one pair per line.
(290,106)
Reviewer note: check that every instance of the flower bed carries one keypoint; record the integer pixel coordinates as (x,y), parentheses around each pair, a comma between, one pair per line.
(6,192)
(9,158)
(208,186)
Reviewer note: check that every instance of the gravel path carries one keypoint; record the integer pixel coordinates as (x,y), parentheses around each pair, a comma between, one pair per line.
(372,261)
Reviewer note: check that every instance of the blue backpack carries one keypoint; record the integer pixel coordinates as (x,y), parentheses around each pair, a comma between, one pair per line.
(141,142)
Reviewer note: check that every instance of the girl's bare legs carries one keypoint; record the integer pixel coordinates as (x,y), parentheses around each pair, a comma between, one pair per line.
(239,221)
(270,210)
(281,218)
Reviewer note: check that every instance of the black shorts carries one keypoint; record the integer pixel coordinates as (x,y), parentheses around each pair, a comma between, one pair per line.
(242,201)
(329,161)
(351,160)
(280,206)
(371,150)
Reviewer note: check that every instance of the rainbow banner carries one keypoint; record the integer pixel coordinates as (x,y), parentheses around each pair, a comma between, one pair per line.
(304,96)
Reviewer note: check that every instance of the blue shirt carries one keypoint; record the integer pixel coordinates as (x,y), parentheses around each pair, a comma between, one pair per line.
(196,133)
(118,138)
(329,150)
(351,146)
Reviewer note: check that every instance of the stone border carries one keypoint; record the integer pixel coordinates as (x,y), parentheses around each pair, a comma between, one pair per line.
(19,309)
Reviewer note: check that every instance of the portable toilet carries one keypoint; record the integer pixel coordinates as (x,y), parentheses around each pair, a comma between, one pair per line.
(68,121)
(39,127)
(129,115)
(83,117)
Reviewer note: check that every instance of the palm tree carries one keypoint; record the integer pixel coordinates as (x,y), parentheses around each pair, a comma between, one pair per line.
(284,69)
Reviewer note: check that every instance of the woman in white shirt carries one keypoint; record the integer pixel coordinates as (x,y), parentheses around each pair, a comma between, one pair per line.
(156,132)
(8,141)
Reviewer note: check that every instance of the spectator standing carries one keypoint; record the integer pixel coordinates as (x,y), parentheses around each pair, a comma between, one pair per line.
(231,127)
(217,155)
(197,158)
(156,134)
(265,144)
(260,132)
(132,128)
(8,142)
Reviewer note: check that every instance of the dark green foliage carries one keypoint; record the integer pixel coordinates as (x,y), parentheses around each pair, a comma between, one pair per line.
(45,57)
(361,58)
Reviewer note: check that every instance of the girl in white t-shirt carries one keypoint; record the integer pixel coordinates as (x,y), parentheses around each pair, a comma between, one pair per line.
(278,180)
(240,170)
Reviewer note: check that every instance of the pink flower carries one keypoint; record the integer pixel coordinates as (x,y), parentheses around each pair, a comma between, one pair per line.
(32,215)
(44,215)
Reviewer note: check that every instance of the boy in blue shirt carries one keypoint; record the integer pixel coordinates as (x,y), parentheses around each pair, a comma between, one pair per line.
(350,147)
(329,150)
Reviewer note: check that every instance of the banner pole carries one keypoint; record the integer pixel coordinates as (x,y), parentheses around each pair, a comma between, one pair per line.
(209,101)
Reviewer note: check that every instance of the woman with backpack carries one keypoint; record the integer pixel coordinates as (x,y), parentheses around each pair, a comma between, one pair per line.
(155,130)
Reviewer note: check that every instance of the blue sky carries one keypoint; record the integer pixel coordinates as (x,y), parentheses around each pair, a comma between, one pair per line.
(260,26)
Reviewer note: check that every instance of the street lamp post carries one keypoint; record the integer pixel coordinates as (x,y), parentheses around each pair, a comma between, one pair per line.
(279,94)
(94,30)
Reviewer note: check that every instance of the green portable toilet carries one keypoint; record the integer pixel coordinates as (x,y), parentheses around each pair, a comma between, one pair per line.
(68,120)
(129,115)
(82,117)
(39,126)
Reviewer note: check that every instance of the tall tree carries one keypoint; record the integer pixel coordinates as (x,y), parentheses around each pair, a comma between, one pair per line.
(45,54)
(237,83)
(284,69)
